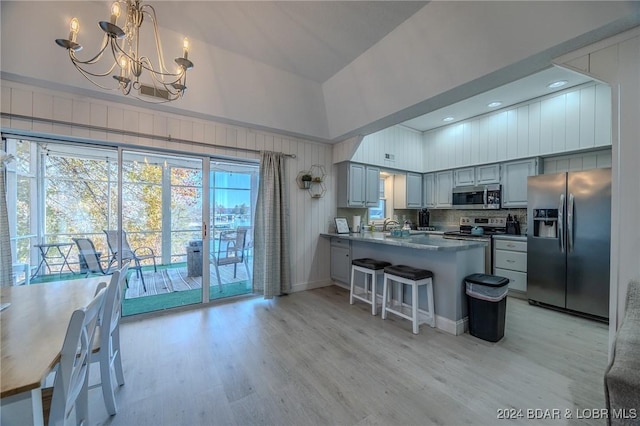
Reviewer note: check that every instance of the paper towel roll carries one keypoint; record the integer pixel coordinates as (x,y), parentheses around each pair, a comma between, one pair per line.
(356,224)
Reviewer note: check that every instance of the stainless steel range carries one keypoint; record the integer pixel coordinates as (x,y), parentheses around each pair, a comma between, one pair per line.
(480,228)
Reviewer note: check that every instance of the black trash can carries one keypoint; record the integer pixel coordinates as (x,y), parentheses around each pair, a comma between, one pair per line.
(487,297)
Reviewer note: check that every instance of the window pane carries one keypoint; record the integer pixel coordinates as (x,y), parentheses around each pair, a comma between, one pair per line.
(377,212)
(232,180)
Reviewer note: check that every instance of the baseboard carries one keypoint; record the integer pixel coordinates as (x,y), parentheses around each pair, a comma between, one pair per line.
(517,294)
(452,327)
(310,286)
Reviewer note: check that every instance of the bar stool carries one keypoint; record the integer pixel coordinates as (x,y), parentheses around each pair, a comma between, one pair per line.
(415,278)
(373,269)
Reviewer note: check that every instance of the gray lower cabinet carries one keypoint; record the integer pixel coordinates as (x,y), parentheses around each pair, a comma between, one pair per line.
(341,260)
(510,261)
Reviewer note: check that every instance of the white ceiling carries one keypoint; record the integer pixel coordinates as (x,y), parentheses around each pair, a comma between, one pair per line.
(313,39)
(316,39)
(510,94)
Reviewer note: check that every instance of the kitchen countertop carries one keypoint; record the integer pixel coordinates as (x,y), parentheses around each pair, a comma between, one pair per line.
(420,241)
(510,237)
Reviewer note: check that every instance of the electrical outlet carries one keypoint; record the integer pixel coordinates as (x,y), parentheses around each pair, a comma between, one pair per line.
(389,157)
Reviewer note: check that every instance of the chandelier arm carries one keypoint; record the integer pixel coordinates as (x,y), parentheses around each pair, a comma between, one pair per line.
(87,76)
(78,67)
(147,65)
(96,58)
(152,15)
(115,48)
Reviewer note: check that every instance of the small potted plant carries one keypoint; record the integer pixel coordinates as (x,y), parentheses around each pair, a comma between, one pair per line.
(306,180)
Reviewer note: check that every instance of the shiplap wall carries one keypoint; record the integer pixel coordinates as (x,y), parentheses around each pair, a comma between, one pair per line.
(572,120)
(404,144)
(308,217)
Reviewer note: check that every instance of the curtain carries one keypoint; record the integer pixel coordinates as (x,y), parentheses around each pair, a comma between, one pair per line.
(271,263)
(6,273)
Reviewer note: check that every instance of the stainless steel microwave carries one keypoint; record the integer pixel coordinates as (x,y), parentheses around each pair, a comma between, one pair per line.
(484,197)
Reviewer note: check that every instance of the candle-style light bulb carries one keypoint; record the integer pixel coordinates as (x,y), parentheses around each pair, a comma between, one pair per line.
(124,62)
(74,27)
(185,48)
(115,12)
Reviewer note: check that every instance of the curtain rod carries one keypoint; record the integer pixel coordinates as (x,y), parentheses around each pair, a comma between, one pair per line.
(129,133)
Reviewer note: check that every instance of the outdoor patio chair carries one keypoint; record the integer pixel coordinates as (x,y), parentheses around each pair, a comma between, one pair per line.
(230,251)
(137,255)
(90,262)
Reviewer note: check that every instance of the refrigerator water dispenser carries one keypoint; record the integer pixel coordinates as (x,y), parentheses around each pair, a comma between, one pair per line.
(545,223)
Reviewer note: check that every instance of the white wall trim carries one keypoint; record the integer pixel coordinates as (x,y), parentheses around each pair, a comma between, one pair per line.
(452,327)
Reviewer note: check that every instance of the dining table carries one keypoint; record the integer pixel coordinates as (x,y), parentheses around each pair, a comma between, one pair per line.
(33,324)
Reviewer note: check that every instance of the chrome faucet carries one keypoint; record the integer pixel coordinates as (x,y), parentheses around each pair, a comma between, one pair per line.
(388,222)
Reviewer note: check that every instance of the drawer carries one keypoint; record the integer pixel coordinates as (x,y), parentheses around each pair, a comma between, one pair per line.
(517,280)
(340,242)
(510,245)
(512,260)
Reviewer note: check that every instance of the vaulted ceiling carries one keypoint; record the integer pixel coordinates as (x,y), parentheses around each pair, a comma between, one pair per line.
(313,39)
(324,70)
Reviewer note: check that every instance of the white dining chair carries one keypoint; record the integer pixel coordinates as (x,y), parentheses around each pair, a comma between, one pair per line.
(106,349)
(70,386)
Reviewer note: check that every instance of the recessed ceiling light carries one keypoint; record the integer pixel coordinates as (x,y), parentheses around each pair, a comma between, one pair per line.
(557,84)
(494,104)
(447,119)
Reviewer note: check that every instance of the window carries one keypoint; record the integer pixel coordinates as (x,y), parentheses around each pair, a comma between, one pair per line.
(377,213)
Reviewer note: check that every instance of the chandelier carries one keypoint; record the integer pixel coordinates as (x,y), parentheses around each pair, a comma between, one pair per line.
(127,63)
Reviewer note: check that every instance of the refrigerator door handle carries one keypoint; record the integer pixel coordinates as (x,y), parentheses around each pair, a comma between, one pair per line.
(484,197)
(570,224)
(561,223)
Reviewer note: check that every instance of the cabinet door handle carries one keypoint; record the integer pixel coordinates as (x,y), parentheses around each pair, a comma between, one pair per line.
(511,261)
(510,245)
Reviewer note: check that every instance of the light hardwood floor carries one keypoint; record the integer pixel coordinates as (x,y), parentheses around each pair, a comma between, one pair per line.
(310,358)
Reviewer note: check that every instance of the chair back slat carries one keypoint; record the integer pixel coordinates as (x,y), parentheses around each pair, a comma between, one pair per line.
(72,375)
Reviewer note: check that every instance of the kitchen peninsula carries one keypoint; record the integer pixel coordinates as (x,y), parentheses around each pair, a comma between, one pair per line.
(449,260)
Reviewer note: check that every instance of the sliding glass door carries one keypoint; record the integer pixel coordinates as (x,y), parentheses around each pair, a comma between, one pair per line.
(233,192)
(161,219)
(141,206)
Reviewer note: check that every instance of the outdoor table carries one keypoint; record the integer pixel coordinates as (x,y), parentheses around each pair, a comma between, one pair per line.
(53,251)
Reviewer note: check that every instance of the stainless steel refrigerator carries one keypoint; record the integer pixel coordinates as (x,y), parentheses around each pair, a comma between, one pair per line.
(568,240)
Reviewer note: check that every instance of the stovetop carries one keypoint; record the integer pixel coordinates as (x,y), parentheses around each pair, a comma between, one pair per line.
(491,226)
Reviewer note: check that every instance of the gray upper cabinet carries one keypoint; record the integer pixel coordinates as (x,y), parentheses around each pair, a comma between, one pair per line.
(428,190)
(464,177)
(514,181)
(479,175)
(444,189)
(372,186)
(358,185)
(407,191)
(487,174)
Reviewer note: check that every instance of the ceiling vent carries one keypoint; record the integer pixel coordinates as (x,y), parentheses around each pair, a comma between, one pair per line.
(154,92)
